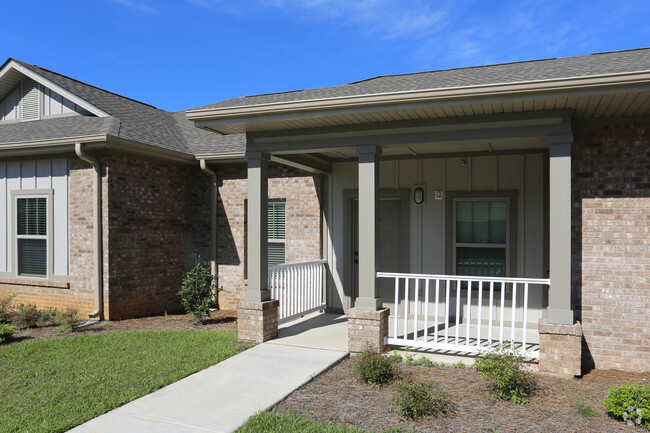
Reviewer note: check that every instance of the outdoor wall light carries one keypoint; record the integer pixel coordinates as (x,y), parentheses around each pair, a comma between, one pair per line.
(418,195)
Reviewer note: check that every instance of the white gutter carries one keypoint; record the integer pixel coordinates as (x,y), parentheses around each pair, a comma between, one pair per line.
(213,217)
(524,87)
(97,230)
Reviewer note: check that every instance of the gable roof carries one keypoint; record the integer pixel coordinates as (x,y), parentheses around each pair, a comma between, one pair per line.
(124,118)
(614,62)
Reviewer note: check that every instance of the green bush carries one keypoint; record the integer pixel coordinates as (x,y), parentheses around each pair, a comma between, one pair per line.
(66,320)
(376,369)
(631,403)
(198,290)
(505,375)
(585,409)
(422,361)
(416,399)
(28,315)
(6,331)
(6,307)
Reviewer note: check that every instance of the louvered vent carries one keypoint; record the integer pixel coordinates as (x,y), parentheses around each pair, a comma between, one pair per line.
(30,100)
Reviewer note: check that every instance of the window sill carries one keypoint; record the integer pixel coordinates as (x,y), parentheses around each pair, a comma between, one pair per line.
(34,282)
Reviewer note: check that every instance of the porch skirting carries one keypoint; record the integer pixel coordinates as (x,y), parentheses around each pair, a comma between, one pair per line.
(257,321)
(560,348)
(367,329)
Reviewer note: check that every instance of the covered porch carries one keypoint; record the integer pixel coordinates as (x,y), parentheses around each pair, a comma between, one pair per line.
(439,234)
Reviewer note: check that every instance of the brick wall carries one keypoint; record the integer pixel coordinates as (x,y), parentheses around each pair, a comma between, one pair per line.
(159,214)
(303,194)
(611,244)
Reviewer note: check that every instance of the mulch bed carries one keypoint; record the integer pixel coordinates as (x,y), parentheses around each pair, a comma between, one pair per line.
(221,320)
(337,396)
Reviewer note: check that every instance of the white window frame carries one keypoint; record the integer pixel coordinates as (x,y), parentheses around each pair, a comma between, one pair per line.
(48,194)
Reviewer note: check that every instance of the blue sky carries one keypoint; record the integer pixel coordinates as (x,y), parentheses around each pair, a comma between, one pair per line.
(179,54)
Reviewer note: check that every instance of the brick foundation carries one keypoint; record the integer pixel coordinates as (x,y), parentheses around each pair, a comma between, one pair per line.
(367,329)
(257,321)
(560,348)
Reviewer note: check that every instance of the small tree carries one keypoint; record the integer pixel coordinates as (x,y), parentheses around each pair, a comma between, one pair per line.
(198,290)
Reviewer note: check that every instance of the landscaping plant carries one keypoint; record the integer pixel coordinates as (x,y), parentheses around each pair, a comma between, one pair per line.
(376,369)
(6,331)
(505,375)
(28,315)
(198,290)
(6,307)
(586,410)
(66,320)
(631,403)
(416,399)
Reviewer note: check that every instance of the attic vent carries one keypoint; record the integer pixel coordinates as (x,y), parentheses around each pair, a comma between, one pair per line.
(30,100)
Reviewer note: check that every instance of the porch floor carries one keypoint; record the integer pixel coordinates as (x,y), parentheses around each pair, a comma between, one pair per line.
(317,331)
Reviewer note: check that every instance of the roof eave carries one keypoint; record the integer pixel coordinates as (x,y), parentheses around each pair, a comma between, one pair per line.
(239,114)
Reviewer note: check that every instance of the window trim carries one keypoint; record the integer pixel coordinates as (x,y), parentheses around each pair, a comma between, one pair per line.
(48,194)
(511,223)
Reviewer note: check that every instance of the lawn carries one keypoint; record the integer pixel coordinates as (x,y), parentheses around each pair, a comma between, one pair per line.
(288,422)
(54,385)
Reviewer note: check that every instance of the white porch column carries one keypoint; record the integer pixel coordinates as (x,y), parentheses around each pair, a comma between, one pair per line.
(559,296)
(368,227)
(257,229)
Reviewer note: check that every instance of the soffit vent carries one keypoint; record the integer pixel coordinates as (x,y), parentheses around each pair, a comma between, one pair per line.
(30,100)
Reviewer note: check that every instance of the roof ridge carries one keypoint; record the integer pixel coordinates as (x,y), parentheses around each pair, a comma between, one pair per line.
(90,85)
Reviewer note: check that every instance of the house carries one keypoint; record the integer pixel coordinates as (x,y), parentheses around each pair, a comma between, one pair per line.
(470,206)
(449,210)
(104,199)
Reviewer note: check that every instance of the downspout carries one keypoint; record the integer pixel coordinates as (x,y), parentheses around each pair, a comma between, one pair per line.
(97,230)
(213,216)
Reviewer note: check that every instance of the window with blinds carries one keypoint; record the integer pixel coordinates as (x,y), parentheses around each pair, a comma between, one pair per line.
(481,237)
(31,234)
(276,232)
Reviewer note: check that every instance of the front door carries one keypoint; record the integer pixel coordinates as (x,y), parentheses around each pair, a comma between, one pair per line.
(391,245)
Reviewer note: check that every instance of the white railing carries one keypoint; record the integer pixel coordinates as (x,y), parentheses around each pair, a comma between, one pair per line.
(433,308)
(298,287)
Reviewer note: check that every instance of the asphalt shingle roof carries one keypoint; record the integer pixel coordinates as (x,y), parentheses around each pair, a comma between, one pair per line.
(129,119)
(579,66)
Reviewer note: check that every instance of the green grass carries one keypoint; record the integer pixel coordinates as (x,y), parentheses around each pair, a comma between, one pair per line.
(288,422)
(54,385)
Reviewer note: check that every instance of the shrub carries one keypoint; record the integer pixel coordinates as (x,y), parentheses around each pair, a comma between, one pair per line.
(28,315)
(631,403)
(6,307)
(6,331)
(416,399)
(66,320)
(198,290)
(504,374)
(376,369)
(422,361)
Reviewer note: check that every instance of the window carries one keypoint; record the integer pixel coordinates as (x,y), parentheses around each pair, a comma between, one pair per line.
(31,235)
(277,232)
(481,236)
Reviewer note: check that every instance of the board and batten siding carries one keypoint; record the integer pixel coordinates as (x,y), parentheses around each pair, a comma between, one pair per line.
(427,222)
(30,175)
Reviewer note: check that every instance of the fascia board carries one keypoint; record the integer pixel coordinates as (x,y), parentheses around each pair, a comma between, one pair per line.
(229,157)
(451,93)
(58,89)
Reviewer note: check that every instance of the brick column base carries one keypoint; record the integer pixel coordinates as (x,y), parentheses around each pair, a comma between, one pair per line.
(560,348)
(367,329)
(257,321)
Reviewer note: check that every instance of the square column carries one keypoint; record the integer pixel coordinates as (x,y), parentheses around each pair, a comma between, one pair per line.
(368,227)
(559,295)
(257,229)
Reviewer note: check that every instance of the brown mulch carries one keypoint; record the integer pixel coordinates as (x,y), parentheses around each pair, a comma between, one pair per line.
(337,396)
(220,320)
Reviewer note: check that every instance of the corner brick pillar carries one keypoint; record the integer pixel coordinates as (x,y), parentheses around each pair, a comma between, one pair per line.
(257,321)
(257,314)
(560,348)
(368,321)
(367,329)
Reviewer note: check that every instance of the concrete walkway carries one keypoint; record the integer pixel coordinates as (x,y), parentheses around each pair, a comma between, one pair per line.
(221,398)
